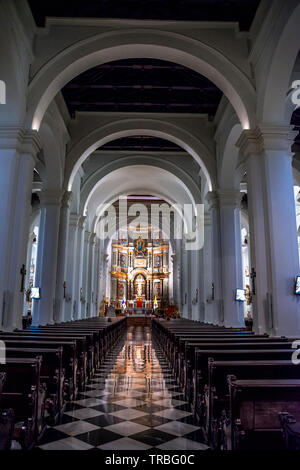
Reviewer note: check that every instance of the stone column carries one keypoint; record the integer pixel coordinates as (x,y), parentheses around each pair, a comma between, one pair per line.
(216,288)
(78,260)
(185,282)
(91,276)
(195,284)
(97,294)
(207,272)
(70,300)
(231,251)
(267,154)
(85,269)
(28,265)
(178,276)
(19,149)
(43,308)
(61,278)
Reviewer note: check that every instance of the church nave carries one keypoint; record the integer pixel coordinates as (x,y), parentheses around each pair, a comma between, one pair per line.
(132,403)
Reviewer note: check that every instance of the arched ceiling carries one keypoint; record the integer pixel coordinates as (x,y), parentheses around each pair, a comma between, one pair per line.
(138,179)
(142,85)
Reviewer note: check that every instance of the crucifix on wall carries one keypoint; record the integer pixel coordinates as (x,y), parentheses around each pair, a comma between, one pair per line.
(23,274)
(253,276)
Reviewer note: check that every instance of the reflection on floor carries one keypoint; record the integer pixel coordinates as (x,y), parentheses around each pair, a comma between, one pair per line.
(132,403)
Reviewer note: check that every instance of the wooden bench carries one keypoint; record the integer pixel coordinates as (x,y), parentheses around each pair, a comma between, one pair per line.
(24,393)
(69,359)
(254,408)
(290,430)
(216,399)
(81,353)
(52,375)
(202,358)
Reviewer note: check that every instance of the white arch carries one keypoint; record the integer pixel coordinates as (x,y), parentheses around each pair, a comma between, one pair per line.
(97,177)
(229,175)
(140,43)
(130,127)
(271,100)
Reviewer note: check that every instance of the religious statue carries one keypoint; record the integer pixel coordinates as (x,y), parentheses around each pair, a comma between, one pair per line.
(140,247)
(248,295)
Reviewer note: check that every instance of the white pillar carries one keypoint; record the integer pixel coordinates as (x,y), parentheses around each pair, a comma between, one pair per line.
(216,287)
(185,280)
(273,231)
(78,260)
(91,277)
(207,271)
(97,296)
(10,146)
(20,162)
(60,301)
(231,251)
(85,269)
(70,300)
(28,265)
(43,308)
(196,291)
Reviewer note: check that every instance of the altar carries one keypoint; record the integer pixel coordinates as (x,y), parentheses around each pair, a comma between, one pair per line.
(139,312)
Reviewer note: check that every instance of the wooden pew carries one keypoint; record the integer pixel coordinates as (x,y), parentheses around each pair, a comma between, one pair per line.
(216,403)
(254,409)
(24,393)
(291,431)
(202,357)
(6,421)
(186,354)
(69,359)
(52,374)
(81,353)
(2,380)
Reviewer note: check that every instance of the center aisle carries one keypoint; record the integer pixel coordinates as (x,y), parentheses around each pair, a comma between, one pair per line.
(132,403)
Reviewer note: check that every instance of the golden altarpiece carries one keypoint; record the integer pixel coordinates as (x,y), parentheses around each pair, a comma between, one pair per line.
(139,273)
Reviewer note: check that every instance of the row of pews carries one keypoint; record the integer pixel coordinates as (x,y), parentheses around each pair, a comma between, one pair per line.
(45,367)
(244,388)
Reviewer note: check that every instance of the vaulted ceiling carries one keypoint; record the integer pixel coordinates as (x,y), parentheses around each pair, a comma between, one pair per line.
(146,85)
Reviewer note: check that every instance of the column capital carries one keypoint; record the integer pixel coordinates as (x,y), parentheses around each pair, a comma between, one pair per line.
(81,222)
(66,199)
(207,219)
(212,200)
(74,219)
(50,198)
(230,197)
(266,138)
(87,236)
(222,198)
(23,140)
(93,236)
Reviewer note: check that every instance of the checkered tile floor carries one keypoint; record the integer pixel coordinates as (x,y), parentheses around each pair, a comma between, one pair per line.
(132,403)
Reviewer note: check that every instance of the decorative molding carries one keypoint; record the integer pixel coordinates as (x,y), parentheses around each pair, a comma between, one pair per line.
(50,198)
(22,140)
(266,138)
(81,221)
(74,219)
(228,197)
(212,200)
(66,199)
